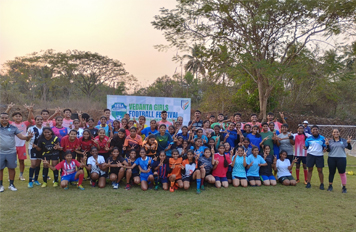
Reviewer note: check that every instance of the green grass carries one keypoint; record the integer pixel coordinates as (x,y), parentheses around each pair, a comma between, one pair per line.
(234,209)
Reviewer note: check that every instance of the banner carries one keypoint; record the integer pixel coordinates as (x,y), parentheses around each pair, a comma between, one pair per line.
(150,107)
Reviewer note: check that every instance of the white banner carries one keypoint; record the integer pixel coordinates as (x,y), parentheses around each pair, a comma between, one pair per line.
(150,107)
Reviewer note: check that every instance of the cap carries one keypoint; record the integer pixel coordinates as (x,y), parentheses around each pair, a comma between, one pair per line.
(306,122)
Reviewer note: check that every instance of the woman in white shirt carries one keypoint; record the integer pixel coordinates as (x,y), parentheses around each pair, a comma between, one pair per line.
(284,168)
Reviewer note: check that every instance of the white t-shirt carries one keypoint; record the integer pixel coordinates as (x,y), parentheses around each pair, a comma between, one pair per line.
(94,168)
(80,133)
(35,135)
(282,168)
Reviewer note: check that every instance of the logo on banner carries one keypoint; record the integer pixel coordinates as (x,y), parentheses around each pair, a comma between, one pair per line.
(184,104)
(118,110)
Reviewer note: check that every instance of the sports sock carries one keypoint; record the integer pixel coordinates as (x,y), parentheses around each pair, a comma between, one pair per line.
(305,174)
(343,178)
(156,179)
(172,184)
(37,172)
(198,183)
(297,173)
(21,173)
(32,170)
(81,177)
(44,174)
(11,182)
(55,174)
(202,181)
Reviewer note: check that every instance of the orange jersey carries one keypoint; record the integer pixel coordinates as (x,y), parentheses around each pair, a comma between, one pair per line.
(153,148)
(177,170)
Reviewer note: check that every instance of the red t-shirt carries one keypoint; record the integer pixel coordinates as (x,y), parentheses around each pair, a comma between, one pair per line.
(86,145)
(102,144)
(220,170)
(68,145)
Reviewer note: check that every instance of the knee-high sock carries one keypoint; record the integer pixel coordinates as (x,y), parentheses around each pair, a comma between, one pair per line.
(37,172)
(297,173)
(202,181)
(81,177)
(343,178)
(45,174)
(32,170)
(305,174)
(198,183)
(156,179)
(55,174)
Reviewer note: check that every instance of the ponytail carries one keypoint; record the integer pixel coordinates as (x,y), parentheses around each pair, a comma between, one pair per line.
(226,164)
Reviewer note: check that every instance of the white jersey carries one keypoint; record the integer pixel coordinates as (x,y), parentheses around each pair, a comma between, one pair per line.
(36,133)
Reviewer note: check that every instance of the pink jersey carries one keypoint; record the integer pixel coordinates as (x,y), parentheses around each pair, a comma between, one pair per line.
(68,168)
(299,145)
(168,123)
(67,123)
(49,123)
(22,126)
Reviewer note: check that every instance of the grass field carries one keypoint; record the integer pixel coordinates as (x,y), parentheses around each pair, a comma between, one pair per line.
(234,209)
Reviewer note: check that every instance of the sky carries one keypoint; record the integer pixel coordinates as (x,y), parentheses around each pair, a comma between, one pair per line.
(119,29)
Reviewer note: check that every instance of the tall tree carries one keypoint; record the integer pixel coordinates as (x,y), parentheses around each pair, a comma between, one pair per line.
(195,61)
(263,37)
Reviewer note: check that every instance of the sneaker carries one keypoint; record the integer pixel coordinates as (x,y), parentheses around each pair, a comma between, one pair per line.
(112,183)
(198,191)
(93,184)
(202,187)
(344,189)
(22,178)
(2,188)
(330,188)
(171,189)
(81,187)
(308,185)
(37,183)
(73,183)
(128,187)
(66,188)
(44,185)
(156,187)
(115,186)
(30,185)
(12,188)
(321,187)
(48,178)
(297,180)
(305,182)
(55,184)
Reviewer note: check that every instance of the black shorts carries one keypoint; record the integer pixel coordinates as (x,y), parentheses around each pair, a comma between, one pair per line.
(229,175)
(105,155)
(101,175)
(302,159)
(34,154)
(189,178)
(312,160)
(50,157)
(255,178)
(239,178)
(283,178)
(290,157)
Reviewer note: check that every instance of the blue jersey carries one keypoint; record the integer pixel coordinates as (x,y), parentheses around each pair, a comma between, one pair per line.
(200,150)
(135,170)
(143,163)
(254,140)
(185,137)
(233,138)
(147,131)
(239,169)
(254,170)
(315,145)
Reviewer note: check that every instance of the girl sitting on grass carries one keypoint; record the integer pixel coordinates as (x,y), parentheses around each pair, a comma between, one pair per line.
(117,171)
(221,166)
(96,166)
(144,164)
(132,173)
(161,170)
(239,167)
(69,172)
(266,171)
(190,171)
(284,168)
(254,161)
(175,176)
(205,164)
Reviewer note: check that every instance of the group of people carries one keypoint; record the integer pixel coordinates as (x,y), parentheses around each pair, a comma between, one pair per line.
(164,154)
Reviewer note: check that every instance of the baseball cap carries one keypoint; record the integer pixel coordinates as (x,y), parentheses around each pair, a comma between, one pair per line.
(306,122)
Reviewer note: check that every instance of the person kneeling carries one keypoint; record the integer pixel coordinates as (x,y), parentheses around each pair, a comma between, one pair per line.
(284,168)
(190,171)
(69,172)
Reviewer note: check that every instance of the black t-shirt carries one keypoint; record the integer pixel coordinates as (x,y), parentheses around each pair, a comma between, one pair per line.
(267,170)
(47,145)
(119,159)
(94,132)
(118,142)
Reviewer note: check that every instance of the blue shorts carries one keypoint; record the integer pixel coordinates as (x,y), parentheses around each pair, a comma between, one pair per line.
(144,176)
(240,178)
(268,178)
(221,179)
(69,178)
(163,180)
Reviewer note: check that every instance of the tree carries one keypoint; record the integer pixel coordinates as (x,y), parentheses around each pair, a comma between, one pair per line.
(263,37)
(195,62)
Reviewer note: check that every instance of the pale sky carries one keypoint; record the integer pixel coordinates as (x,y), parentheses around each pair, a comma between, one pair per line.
(119,29)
